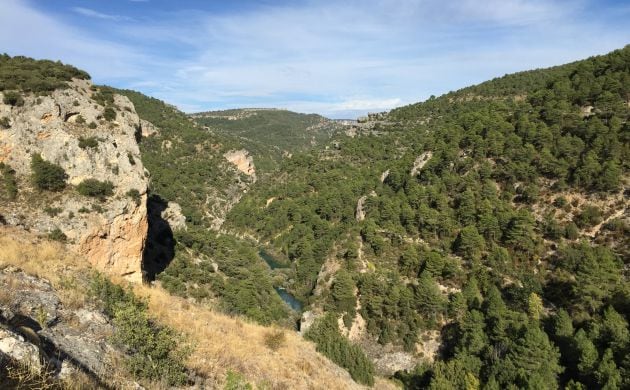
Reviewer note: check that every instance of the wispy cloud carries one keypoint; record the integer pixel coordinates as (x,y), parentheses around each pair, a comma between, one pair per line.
(338,58)
(99,15)
(50,38)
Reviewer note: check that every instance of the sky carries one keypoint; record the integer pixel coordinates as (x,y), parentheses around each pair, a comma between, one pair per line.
(338,58)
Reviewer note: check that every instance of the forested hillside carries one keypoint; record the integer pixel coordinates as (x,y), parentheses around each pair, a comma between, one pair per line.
(496,215)
(187,166)
(270,134)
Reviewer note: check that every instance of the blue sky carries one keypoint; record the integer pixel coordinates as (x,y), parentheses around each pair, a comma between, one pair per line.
(338,58)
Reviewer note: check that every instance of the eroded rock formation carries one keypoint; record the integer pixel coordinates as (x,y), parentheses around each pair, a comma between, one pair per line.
(110,231)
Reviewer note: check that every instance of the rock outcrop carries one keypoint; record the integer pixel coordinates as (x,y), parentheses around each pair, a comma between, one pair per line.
(110,231)
(37,330)
(420,162)
(242,160)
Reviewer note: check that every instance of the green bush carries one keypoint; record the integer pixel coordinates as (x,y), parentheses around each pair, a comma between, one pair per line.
(5,123)
(90,142)
(96,188)
(13,98)
(590,216)
(154,352)
(8,181)
(52,211)
(109,114)
(236,381)
(80,119)
(57,235)
(38,76)
(571,231)
(104,96)
(92,125)
(275,339)
(135,195)
(46,175)
(325,334)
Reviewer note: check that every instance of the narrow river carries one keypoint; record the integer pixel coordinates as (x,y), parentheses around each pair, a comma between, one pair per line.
(286,296)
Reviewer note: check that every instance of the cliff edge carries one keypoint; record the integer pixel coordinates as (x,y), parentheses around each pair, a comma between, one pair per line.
(91,134)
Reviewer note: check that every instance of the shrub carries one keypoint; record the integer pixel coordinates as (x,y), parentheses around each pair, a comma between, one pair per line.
(92,125)
(135,195)
(131,159)
(38,76)
(5,122)
(95,188)
(90,142)
(52,211)
(109,114)
(560,202)
(590,216)
(46,175)
(104,96)
(325,333)
(57,235)
(13,98)
(236,381)
(275,339)
(8,181)
(80,119)
(154,351)
(571,231)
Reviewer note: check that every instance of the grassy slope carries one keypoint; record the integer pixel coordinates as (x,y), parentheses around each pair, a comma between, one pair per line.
(220,343)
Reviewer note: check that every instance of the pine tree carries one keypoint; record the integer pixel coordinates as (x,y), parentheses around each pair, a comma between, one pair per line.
(428,297)
(614,333)
(342,292)
(532,362)
(470,243)
(607,375)
(534,306)
(585,354)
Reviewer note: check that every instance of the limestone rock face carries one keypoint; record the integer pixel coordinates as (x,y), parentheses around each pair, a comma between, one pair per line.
(242,160)
(14,346)
(174,216)
(111,231)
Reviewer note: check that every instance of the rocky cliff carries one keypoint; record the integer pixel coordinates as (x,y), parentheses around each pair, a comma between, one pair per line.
(91,135)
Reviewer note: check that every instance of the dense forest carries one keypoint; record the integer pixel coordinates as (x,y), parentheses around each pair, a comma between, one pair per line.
(496,215)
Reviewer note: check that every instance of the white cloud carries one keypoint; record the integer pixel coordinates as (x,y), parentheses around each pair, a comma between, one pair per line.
(49,38)
(334,58)
(99,15)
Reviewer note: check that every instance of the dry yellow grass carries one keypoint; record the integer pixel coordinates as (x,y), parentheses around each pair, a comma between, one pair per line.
(220,343)
(223,343)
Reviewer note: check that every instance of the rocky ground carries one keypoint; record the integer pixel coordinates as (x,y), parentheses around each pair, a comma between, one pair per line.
(59,340)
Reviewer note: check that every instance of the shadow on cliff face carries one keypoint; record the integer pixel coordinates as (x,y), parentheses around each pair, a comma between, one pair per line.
(160,246)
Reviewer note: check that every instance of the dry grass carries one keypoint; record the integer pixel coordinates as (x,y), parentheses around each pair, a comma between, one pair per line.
(45,259)
(220,343)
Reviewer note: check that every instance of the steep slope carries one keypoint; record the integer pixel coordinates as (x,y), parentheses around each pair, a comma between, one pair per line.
(491,237)
(224,351)
(188,164)
(270,134)
(71,165)
(71,171)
